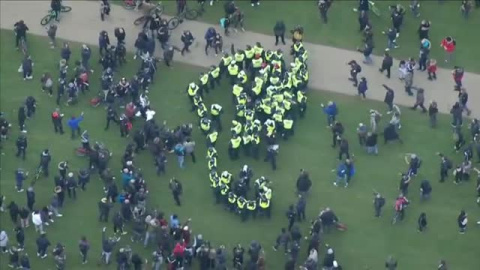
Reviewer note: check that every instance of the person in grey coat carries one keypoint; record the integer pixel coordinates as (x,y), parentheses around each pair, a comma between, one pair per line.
(279,31)
(420,100)
(190,148)
(168,55)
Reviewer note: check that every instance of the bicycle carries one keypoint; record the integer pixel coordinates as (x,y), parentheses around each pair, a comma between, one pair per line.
(158,9)
(187,13)
(36,176)
(51,15)
(373,8)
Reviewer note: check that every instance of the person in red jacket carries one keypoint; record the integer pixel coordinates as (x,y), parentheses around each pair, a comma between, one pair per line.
(178,253)
(457,73)
(449,45)
(432,69)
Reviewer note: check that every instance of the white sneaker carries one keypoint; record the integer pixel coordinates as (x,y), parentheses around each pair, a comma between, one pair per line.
(478,222)
(253,5)
(21,190)
(59,215)
(211,2)
(258,3)
(335,183)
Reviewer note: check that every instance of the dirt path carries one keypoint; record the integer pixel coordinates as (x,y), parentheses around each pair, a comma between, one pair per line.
(327,65)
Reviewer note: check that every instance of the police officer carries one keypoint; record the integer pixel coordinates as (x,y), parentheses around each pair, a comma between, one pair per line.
(204,78)
(233,71)
(234,147)
(214,76)
(241,208)
(212,138)
(176,188)
(264,204)
(232,200)
(215,111)
(21,146)
(272,152)
(57,118)
(287,128)
(111,116)
(45,159)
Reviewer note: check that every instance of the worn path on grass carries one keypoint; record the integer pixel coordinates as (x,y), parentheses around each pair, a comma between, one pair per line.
(327,65)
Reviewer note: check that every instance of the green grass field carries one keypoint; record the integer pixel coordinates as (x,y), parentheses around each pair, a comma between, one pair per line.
(342,28)
(365,245)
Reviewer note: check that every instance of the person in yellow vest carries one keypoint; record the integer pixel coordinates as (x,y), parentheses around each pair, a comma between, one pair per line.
(247,139)
(287,128)
(249,115)
(274,79)
(212,138)
(214,74)
(241,208)
(196,100)
(205,125)
(234,147)
(239,57)
(302,103)
(226,178)
(305,77)
(237,89)
(242,77)
(216,111)
(257,62)
(264,204)
(257,88)
(252,208)
(224,63)
(242,99)
(212,163)
(232,201)
(233,71)
(213,176)
(297,48)
(249,54)
(201,109)
(236,128)
(217,191)
(224,189)
(268,56)
(204,82)
(192,90)
(211,152)
(240,112)
(258,49)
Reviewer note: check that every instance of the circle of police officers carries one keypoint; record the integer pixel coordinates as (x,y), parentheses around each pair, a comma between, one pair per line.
(264,90)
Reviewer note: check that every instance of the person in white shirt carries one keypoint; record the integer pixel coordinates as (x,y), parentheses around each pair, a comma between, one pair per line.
(37,221)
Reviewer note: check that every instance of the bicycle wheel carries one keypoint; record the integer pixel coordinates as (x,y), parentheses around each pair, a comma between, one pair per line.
(173,23)
(140,20)
(81,152)
(45,20)
(66,9)
(191,14)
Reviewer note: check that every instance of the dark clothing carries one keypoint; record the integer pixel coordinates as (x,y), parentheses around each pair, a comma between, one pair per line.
(279,32)
(387,64)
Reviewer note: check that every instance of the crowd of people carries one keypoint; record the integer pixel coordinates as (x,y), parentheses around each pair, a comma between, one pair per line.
(269,96)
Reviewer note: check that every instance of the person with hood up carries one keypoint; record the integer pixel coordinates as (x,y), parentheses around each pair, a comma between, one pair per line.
(331,111)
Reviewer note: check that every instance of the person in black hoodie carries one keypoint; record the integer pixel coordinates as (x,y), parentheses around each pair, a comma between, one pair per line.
(65,53)
(107,246)
(187,40)
(13,210)
(279,32)
(303,182)
(387,63)
(42,245)
(21,144)
(30,198)
(423,29)
(45,159)
(22,116)
(20,236)
(425,190)
(457,117)
(20,32)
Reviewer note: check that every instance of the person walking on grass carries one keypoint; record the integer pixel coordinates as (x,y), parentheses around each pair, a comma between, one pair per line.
(462,222)
(422,222)
(84,247)
(74,124)
(420,100)
(449,45)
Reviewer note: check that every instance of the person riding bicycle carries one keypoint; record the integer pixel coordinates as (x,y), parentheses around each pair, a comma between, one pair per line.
(400,205)
(56,6)
(85,138)
(20,29)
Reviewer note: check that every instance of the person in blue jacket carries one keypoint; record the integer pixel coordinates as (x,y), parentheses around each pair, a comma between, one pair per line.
(209,38)
(345,172)
(331,111)
(74,124)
